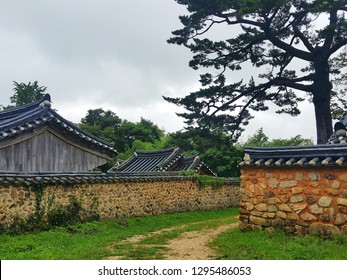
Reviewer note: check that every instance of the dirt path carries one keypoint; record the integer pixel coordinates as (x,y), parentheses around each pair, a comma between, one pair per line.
(191,245)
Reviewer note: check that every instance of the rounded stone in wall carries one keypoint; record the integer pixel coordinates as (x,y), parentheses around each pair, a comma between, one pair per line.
(315,209)
(341,219)
(281,214)
(342,201)
(308,217)
(344,229)
(261,207)
(325,201)
(323,229)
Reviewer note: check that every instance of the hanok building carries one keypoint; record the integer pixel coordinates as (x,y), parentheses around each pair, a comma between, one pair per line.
(35,138)
(169,160)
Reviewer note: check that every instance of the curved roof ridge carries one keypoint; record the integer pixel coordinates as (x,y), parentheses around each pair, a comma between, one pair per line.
(18,110)
(75,127)
(197,163)
(319,155)
(290,151)
(155,152)
(122,165)
(165,161)
(149,160)
(171,160)
(23,118)
(190,157)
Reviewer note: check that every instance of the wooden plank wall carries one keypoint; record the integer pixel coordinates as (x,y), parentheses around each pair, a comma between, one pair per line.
(46,152)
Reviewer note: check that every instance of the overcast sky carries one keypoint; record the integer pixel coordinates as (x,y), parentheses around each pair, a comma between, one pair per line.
(110,54)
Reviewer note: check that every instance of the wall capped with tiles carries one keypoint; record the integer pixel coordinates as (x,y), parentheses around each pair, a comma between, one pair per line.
(310,200)
(118,199)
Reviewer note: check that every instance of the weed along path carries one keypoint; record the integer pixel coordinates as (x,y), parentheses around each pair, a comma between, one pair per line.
(185,242)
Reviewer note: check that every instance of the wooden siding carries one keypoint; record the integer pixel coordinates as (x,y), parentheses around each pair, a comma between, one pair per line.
(45,151)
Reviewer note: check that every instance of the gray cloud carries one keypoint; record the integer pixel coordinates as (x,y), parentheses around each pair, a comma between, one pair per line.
(103,53)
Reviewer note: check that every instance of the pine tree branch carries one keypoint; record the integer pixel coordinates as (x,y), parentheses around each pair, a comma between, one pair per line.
(299,34)
(307,56)
(330,37)
(292,83)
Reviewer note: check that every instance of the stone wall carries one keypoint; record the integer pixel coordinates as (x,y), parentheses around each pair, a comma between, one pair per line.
(298,200)
(119,199)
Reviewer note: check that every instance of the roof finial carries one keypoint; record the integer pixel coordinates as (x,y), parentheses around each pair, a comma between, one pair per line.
(46,101)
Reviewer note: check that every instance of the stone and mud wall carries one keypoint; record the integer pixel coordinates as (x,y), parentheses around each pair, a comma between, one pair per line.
(298,200)
(117,199)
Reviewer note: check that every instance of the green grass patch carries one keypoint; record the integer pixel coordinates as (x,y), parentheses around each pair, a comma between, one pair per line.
(259,245)
(163,237)
(99,240)
(91,240)
(144,253)
(151,247)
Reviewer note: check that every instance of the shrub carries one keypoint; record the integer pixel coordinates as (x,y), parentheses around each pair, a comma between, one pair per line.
(59,217)
(33,223)
(65,215)
(62,216)
(205,180)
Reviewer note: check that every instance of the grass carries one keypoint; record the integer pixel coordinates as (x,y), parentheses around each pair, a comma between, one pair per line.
(259,245)
(98,240)
(152,247)
(90,241)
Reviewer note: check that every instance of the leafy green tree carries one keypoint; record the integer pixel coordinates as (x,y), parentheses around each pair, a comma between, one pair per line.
(198,141)
(273,35)
(339,102)
(145,131)
(224,160)
(102,118)
(137,144)
(293,141)
(213,147)
(102,124)
(108,126)
(25,94)
(260,139)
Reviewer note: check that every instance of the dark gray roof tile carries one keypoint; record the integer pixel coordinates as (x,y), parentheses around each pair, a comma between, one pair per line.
(332,153)
(72,178)
(147,161)
(165,160)
(319,155)
(24,118)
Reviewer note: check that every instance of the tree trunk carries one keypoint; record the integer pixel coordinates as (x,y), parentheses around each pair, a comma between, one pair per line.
(323,120)
(321,101)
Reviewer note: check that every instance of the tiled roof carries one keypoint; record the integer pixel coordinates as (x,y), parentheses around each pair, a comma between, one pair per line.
(149,161)
(187,163)
(319,155)
(330,154)
(72,178)
(340,134)
(78,178)
(193,163)
(166,160)
(23,119)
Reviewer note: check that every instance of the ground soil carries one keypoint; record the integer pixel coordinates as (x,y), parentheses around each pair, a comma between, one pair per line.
(191,245)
